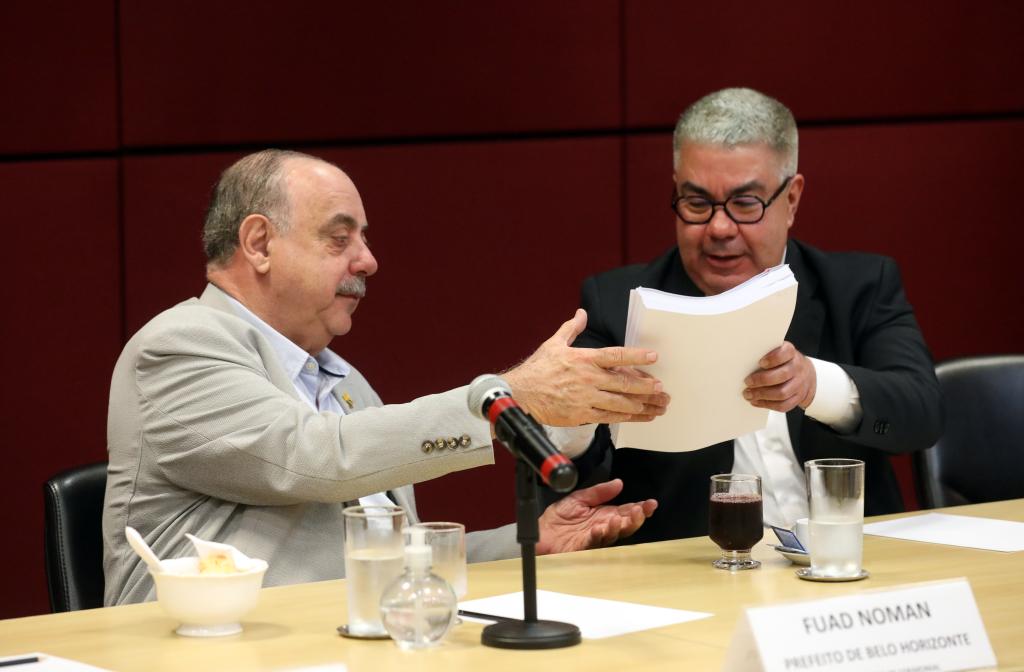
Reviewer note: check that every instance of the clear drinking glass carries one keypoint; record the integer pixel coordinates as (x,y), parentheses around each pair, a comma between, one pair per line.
(373,559)
(835,488)
(735,519)
(448,542)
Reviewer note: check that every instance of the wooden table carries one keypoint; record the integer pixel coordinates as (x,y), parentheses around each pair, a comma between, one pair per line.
(294,626)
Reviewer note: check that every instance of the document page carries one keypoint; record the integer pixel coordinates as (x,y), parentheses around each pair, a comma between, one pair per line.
(941,528)
(596,618)
(706,346)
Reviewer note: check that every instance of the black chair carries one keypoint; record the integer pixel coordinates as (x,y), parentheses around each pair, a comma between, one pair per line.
(980,457)
(74,537)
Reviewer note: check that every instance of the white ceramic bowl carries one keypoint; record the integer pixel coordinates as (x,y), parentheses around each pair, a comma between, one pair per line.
(208,605)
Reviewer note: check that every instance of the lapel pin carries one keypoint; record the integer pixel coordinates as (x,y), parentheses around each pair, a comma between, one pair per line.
(348,400)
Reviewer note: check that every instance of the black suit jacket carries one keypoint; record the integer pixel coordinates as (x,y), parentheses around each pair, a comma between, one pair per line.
(850,310)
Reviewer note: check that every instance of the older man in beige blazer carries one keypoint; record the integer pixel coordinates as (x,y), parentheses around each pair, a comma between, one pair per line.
(229,418)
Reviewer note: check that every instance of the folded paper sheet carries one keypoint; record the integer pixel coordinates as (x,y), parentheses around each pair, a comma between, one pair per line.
(706,347)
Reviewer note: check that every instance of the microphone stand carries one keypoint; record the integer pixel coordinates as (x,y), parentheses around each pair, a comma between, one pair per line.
(529,633)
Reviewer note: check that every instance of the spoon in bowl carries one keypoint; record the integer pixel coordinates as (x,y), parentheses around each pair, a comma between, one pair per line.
(140,546)
(206,549)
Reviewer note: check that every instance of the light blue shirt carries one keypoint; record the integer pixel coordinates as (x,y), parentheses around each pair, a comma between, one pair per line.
(309,375)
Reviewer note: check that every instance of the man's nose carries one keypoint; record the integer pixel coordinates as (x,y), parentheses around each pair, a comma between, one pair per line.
(720,225)
(365,262)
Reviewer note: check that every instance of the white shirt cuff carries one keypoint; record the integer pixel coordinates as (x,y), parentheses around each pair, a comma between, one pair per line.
(836,400)
(572,441)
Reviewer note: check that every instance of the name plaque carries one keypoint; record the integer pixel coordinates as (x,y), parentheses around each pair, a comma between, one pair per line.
(926,627)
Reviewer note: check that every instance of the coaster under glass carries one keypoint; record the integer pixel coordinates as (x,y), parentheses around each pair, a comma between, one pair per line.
(806,574)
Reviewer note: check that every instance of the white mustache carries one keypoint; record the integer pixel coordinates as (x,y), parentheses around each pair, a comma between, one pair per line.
(354,286)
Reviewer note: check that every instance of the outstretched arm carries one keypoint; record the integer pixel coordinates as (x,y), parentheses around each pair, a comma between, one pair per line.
(562,385)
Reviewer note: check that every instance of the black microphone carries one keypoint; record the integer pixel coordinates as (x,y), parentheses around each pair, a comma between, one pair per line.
(490,398)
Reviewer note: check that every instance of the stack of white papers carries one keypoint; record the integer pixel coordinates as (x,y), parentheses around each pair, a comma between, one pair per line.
(706,347)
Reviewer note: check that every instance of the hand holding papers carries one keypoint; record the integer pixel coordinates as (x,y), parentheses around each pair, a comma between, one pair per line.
(706,346)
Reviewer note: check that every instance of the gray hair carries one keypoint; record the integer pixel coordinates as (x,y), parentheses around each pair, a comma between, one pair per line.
(738,116)
(251,185)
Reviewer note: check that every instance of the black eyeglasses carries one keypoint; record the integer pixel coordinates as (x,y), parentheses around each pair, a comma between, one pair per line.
(742,208)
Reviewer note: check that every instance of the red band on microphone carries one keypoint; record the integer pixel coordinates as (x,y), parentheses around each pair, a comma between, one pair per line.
(550,463)
(498,406)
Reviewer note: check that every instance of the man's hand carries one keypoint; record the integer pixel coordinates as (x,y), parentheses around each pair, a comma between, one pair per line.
(562,385)
(785,380)
(582,519)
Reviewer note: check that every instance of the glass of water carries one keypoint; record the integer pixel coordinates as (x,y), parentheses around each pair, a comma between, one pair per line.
(448,542)
(373,559)
(835,488)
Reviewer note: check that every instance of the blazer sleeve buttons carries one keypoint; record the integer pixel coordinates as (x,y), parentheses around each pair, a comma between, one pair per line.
(451,443)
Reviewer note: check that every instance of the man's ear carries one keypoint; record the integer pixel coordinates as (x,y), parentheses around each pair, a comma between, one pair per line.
(254,236)
(796,190)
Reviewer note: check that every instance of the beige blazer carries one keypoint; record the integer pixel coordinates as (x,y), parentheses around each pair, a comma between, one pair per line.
(206,434)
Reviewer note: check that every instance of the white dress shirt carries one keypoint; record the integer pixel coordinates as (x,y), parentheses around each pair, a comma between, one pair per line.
(769,454)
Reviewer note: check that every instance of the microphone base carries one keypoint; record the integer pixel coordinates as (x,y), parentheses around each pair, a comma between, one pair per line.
(530,635)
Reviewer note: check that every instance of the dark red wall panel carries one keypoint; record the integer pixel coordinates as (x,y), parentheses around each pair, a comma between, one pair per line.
(827,61)
(58,78)
(259,71)
(649,222)
(938,199)
(62,317)
(165,199)
(482,248)
(934,196)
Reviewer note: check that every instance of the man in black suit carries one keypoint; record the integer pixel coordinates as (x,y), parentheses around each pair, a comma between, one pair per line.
(854,377)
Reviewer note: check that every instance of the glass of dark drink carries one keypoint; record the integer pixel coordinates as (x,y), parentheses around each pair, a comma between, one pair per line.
(734,520)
